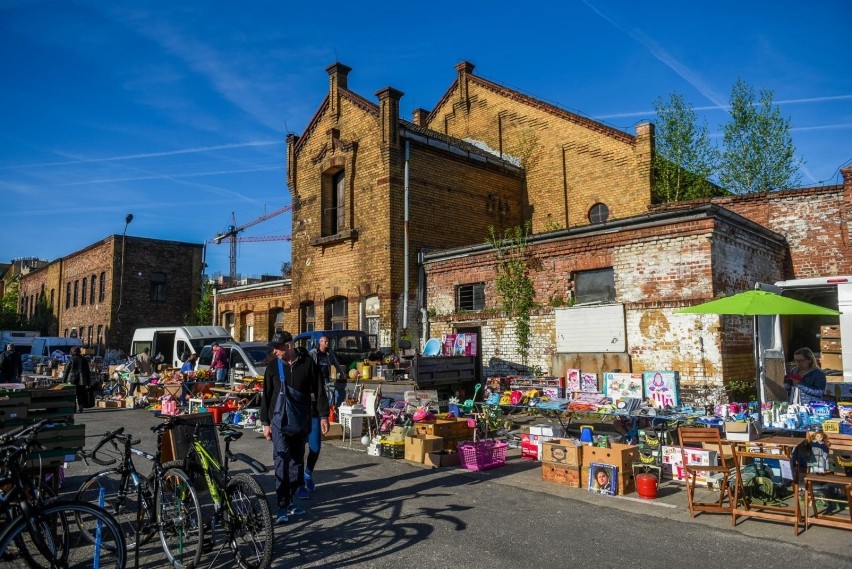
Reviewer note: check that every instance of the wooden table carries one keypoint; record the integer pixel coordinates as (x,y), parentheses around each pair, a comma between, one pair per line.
(767,448)
(253,397)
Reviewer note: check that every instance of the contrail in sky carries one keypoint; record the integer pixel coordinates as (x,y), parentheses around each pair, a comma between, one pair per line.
(149,154)
(726,107)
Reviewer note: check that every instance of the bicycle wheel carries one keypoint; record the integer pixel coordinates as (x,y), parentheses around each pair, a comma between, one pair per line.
(179,520)
(248,523)
(46,539)
(122,501)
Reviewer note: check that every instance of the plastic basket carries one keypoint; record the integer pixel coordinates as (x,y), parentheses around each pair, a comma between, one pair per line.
(482,455)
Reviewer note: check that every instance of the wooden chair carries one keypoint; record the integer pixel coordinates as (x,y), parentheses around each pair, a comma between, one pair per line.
(840,453)
(705,439)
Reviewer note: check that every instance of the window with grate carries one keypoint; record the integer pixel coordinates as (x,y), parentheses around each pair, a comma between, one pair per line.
(76,291)
(336,310)
(68,295)
(598,213)
(307,317)
(594,286)
(470,297)
(92,289)
(158,287)
(84,289)
(102,293)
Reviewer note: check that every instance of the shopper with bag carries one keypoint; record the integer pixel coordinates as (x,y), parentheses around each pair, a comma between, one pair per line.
(293,390)
(77,372)
(805,382)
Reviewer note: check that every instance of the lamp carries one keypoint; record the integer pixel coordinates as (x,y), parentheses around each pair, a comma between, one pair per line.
(127,219)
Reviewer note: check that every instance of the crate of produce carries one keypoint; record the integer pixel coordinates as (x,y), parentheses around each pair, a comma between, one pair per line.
(482,455)
(16,398)
(393,449)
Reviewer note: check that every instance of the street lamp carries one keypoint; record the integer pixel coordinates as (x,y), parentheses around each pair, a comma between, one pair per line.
(127,219)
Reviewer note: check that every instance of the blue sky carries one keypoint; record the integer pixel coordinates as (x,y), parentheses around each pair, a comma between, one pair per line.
(178,114)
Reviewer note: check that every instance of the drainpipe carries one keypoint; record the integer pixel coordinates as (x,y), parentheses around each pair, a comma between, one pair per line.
(215,305)
(405,245)
(421,298)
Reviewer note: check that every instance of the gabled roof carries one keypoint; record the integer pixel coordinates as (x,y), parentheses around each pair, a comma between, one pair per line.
(353,98)
(538,104)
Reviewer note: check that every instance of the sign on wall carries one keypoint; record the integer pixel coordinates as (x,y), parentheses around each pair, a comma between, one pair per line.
(598,328)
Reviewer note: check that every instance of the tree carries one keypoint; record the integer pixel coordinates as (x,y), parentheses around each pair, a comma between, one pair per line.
(203,314)
(43,318)
(759,152)
(684,159)
(9,306)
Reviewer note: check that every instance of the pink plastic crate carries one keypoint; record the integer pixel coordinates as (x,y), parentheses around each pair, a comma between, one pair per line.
(482,455)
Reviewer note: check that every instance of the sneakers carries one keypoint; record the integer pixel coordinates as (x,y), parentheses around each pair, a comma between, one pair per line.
(309,483)
(302,493)
(281,516)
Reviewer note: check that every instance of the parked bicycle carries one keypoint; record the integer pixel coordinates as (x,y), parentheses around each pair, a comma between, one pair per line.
(163,502)
(50,533)
(240,509)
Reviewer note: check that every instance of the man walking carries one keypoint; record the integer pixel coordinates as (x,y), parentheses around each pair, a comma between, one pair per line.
(293,390)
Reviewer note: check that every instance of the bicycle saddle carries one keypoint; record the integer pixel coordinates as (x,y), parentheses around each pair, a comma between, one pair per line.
(231,435)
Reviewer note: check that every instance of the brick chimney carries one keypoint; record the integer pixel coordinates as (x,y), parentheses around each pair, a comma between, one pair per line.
(420,117)
(337,79)
(389,112)
(464,69)
(644,154)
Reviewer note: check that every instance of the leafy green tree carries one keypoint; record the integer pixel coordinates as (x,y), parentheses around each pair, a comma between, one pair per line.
(43,319)
(684,159)
(203,314)
(9,306)
(759,152)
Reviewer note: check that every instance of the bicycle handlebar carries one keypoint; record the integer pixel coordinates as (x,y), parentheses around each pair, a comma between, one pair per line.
(107,438)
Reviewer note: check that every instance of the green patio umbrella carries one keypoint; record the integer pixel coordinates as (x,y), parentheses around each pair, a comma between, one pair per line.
(758,303)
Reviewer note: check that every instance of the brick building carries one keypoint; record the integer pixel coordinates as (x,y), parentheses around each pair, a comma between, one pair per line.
(103,292)
(673,256)
(253,312)
(485,157)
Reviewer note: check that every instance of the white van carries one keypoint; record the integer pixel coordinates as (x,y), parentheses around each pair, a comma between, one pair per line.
(176,343)
(43,346)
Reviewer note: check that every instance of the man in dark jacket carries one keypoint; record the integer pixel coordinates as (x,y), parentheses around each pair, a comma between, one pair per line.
(11,367)
(293,390)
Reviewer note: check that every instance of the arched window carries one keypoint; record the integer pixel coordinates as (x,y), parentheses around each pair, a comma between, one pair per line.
(276,321)
(229,320)
(307,317)
(336,310)
(371,315)
(102,293)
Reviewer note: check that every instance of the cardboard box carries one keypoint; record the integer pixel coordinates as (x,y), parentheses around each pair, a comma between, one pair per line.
(335,431)
(832,331)
(563,452)
(417,447)
(742,431)
(831,361)
(570,476)
(619,455)
(442,458)
(830,345)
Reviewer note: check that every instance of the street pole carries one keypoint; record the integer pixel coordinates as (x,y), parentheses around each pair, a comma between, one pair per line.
(128,218)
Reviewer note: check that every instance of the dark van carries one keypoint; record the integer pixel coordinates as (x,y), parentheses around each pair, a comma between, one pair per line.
(349,345)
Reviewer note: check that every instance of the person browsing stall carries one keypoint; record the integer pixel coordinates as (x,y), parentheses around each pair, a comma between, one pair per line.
(218,364)
(11,367)
(77,372)
(187,367)
(325,358)
(293,391)
(143,362)
(806,381)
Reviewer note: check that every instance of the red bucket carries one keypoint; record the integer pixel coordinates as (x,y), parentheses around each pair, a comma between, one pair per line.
(646,486)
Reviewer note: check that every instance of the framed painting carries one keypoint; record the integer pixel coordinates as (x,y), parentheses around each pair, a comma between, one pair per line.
(603,478)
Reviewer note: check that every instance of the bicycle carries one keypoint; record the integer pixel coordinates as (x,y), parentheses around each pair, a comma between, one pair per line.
(50,533)
(239,503)
(164,502)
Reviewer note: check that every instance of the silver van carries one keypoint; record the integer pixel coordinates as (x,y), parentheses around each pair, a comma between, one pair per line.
(245,359)
(43,346)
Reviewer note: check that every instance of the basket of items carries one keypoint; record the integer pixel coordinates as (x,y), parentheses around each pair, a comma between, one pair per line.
(482,455)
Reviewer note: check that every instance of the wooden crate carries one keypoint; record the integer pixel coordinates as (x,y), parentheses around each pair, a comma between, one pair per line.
(570,476)
(111,404)
(15,398)
(72,436)
(829,331)
(437,428)
(830,345)
(12,413)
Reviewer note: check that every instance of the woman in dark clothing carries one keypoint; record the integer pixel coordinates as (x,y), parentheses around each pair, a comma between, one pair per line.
(288,428)
(77,372)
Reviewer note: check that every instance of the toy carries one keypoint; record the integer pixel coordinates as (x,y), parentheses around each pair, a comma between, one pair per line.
(818,442)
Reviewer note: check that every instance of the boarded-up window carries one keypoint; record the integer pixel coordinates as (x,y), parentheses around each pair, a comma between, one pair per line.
(591,329)
(594,286)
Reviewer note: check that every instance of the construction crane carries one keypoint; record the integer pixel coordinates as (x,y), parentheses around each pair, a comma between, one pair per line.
(232,236)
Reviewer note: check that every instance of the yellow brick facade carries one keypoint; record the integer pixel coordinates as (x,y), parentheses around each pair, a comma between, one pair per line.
(571,162)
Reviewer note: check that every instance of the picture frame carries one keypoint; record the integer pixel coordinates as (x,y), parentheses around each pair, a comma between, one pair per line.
(603,478)
(662,388)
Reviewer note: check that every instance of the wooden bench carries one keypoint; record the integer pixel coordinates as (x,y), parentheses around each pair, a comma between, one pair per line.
(840,454)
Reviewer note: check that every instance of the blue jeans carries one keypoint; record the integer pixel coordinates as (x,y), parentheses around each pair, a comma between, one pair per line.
(221,374)
(314,444)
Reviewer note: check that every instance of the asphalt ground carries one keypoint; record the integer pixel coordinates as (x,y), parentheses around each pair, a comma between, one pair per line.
(378,512)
